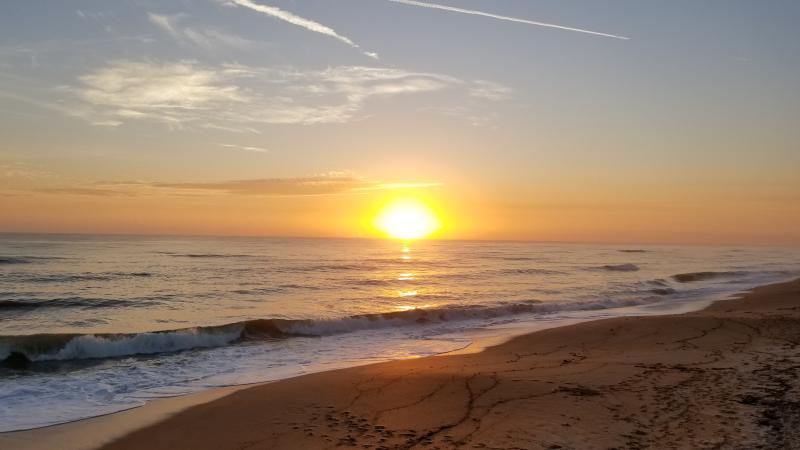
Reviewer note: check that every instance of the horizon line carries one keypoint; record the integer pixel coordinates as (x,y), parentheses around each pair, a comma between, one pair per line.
(379,238)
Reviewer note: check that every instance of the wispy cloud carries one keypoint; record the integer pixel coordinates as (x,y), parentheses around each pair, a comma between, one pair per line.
(332,183)
(499,17)
(202,37)
(93,15)
(315,185)
(21,170)
(240,98)
(170,93)
(91,191)
(294,19)
(248,148)
(490,90)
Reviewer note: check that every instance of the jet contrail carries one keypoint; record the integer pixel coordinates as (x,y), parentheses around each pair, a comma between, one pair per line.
(299,21)
(495,16)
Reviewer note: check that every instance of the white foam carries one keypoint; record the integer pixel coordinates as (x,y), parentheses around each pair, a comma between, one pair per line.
(90,346)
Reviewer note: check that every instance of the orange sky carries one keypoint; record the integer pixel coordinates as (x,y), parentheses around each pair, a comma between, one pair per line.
(601,214)
(568,121)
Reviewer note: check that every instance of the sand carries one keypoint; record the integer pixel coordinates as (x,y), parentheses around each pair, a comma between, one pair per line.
(723,377)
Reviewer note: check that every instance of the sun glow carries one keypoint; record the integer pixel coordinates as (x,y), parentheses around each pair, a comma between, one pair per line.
(407,219)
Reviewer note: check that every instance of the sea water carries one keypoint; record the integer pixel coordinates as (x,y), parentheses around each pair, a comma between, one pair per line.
(95,324)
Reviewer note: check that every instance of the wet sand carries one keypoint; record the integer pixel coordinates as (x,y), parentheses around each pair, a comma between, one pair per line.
(723,377)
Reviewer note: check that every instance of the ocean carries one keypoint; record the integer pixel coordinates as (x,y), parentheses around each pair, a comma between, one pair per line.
(91,325)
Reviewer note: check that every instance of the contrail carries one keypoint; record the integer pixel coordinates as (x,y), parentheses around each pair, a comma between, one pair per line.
(495,16)
(300,22)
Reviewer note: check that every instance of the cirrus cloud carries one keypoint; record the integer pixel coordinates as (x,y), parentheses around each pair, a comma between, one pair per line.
(235,97)
(331,183)
(207,38)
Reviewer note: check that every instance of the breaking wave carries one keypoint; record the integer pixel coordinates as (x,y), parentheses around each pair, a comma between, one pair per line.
(61,347)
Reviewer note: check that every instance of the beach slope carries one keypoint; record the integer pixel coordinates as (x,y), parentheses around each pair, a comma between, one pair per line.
(723,377)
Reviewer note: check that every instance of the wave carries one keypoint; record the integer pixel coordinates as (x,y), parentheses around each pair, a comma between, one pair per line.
(378,282)
(60,347)
(259,291)
(528,271)
(514,258)
(633,250)
(69,302)
(691,277)
(13,260)
(663,291)
(68,278)
(328,268)
(621,267)
(24,259)
(204,255)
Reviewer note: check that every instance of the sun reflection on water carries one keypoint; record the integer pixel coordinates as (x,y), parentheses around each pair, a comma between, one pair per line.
(413,307)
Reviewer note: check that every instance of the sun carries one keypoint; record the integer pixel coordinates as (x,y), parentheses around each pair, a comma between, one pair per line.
(407,219)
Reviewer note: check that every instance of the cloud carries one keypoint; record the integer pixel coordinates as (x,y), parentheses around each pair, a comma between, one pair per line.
(205,38)
(240,98)
(170,93)
(20,170)
(315,185)
(83,191)
(245,147)
(298,21)
(332,183)
(93,15)
(325,184)
(390,186)
(499,17)
(490,90)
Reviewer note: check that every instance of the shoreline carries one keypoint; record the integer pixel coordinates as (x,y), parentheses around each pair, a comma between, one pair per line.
(478,339)
(126,425)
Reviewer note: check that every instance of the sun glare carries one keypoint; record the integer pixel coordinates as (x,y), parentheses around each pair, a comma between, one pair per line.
(407,219)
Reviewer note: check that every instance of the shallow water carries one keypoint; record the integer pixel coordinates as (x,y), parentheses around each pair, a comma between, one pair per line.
(95,324)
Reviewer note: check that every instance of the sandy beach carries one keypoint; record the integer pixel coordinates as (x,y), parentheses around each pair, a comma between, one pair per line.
(723,377)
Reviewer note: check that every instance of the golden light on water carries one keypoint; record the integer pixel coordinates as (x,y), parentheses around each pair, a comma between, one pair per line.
(413,307)
(407,218)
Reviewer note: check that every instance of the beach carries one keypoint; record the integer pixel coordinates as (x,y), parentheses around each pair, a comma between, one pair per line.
(722,377)
(410,224)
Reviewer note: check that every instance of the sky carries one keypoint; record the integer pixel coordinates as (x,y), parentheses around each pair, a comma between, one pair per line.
(610,121)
